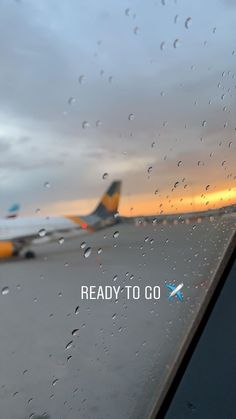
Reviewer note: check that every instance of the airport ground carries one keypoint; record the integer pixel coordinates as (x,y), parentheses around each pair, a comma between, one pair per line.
(73,358)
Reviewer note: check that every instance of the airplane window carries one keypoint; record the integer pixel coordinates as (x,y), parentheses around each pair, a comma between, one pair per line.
(118,198)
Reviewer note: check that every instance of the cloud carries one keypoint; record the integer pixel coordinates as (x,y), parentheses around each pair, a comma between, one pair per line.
(43,136)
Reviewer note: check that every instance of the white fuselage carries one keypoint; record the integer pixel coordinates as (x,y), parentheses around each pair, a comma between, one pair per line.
(37,227)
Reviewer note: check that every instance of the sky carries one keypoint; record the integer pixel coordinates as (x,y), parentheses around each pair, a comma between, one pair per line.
(141,91)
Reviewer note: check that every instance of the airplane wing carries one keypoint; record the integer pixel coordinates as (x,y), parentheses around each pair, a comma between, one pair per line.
(170,287)
(180,295)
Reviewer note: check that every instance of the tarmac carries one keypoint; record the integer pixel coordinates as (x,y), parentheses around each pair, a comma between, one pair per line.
(68,357)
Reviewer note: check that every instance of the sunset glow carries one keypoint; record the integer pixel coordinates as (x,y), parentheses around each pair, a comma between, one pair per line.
(146,204)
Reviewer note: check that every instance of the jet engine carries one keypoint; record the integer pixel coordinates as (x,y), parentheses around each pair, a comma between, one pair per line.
(7,249)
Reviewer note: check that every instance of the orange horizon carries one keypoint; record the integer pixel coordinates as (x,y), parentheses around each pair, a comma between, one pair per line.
(146,204)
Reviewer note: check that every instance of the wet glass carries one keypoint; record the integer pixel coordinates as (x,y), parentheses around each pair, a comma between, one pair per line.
(141,93)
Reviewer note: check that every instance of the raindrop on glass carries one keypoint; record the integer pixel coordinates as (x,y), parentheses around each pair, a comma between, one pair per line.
(85,124)
(69,344)
(42,232)
(5,290)
(188,22)
(87,252)
(81,79)
(191,406)
(162,45)
(75,332)
(176,18)
(71,100)
(176,43)
(55,381)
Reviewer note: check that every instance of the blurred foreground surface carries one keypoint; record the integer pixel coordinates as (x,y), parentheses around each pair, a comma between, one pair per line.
(123,351)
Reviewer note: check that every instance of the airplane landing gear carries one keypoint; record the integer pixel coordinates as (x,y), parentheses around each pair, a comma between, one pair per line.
(29,254)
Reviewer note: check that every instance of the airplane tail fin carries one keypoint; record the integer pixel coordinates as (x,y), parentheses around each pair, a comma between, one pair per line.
(103,215)
(13,211)
(109,203)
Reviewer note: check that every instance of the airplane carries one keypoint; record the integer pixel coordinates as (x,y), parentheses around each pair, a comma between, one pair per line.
(175,290)
(13,211)
(18,234)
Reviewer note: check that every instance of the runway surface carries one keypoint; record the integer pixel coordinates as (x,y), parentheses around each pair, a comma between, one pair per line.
(117,362)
